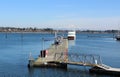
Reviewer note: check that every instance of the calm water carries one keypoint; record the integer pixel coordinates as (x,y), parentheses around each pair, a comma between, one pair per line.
(15,49)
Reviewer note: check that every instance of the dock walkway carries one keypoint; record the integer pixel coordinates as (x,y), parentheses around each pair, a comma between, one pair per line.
(91,60)
(58,56)
(62,47)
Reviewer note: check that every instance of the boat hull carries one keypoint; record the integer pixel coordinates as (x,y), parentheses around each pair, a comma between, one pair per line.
(117,38)
(71,38)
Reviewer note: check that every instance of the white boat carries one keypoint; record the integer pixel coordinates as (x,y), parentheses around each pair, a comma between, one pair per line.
(118,37)
(71,35)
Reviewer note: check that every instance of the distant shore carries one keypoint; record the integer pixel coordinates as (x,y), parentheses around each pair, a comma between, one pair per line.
(49,30)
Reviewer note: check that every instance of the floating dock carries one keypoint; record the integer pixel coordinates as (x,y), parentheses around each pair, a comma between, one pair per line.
(48,60)
(104,69)
(57,56)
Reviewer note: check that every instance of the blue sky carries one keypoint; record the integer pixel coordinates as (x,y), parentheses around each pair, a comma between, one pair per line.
(61,14)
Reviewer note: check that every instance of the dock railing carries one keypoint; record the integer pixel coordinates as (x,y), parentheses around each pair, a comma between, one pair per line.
(75,58)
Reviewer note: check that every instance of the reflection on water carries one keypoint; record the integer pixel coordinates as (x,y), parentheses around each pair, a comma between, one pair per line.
(71,42)
(72,71)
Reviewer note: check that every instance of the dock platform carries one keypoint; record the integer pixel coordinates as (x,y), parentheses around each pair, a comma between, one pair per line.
(48,60)
(58,56)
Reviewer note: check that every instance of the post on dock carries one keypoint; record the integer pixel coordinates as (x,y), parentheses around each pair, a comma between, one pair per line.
(31,62)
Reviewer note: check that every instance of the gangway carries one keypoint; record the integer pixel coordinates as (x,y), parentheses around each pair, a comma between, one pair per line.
(92,60)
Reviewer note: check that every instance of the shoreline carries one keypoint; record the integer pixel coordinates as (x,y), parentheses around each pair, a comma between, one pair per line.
(30,32)
(79,32)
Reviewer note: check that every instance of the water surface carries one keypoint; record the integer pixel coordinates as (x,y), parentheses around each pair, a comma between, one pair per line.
(15,49)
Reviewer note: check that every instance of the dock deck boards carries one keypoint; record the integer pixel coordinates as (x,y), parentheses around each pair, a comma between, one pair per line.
(62,47)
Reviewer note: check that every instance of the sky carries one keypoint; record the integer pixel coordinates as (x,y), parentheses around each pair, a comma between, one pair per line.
(61,14)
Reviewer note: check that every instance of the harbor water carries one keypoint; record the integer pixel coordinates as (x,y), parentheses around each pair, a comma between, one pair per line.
(16,47)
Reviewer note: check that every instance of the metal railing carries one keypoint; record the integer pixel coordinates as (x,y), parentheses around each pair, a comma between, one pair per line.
(78,58)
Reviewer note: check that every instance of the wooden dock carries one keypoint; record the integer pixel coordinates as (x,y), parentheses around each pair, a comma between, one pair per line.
(57,56)
(49,58)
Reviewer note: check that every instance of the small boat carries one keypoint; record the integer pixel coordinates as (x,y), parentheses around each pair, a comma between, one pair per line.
(71,35)
(118,37)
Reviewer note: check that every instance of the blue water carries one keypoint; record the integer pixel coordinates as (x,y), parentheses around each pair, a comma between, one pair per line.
(15,49)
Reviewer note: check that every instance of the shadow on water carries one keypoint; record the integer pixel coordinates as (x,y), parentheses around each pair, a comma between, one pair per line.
(71,71)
